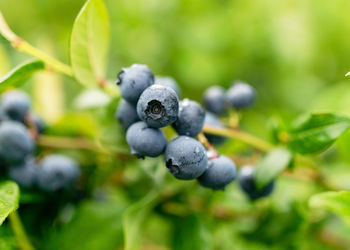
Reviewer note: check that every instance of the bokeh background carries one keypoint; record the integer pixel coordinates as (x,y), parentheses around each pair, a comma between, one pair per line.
(294,52)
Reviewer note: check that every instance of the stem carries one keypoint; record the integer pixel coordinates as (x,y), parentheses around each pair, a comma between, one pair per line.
(21,45)
(19,231)
(242,136)
(234,118)
(67,142)
(111,89)
(50,61)
(206,143)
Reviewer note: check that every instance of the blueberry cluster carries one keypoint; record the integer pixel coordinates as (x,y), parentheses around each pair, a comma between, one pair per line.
(150,103)
(217,102)
(18,128)
(239,96)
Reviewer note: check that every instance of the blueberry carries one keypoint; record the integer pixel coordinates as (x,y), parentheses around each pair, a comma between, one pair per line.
(247,183)
(185,158)
(220,172)
(240,95)
(158,106)
(214,100)
(126,114)
(57,172)
(212,120)
(190,119)
(169,82)
(25,174)
(134,80)
(15,142)
(145,141)
(15,106)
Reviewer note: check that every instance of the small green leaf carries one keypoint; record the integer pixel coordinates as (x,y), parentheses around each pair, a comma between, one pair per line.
(134,218)
(92,98)
(317,132)
(89,43)
(336,202)
(9,199)
(20,74)
(271,165)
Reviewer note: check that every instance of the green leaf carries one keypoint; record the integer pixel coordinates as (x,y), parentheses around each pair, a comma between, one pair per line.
(191,232)
(134,218)
(92,98)
(336,202)
(106,211)
(20,74)
(317,132)
(9,199)
(89,43)
(271,166)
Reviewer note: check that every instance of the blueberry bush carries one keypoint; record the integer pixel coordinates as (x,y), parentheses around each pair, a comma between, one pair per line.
(174,124)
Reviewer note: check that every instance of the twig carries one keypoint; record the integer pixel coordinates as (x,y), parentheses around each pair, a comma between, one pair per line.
(22,45)
(68,142)
(51,63)
(206,143)
(19,232)
(234,118)
(239,135)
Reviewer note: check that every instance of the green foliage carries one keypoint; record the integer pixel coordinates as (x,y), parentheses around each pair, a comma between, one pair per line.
(316,132)
(134,218)
(98,220)
(20,74)
(134,204)
(191,233)
(271,166)
(9,197)
(337,202)
(89,43)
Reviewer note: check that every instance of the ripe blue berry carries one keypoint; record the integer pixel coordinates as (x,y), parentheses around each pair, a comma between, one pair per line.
(247,183)
(126,114)
(214,100)
(145,141)
(169,82)
(240,95)
(221,171)
(133,81)
(25,174)
(212,120)
(158,106)
(15,106)
(15,142)
(190,118)
(57,172)
(185,158)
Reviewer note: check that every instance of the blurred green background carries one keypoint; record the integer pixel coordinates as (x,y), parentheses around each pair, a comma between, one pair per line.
(294,52)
